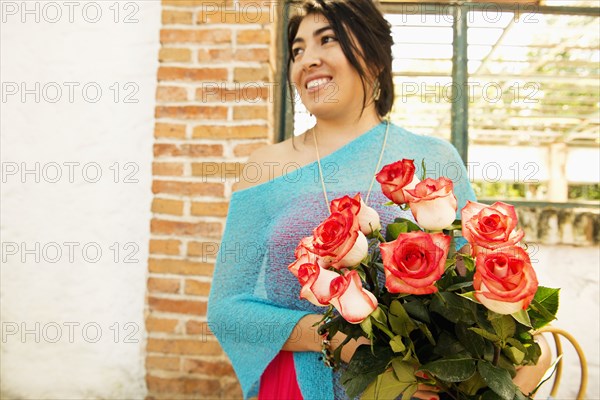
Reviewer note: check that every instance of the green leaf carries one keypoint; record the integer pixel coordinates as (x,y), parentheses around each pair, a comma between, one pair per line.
(408,393)
(508,365)
(425,329)
(520,396)
(399,226)
(548,297)
(448,346)
(488,335)
(490,395)
(534,352)
(458,286)
(539,307)
(392,231)
(364,368)
(367,327)
(454,308)
(522,317)
(400,321)
(469,296)
(396,344)
(411,225)
(379,316)
(473,342)
(516,343)
(451,370)
(469,263)
(385,386)
(424,172)
(498,379)
(514,354)
(417,310)
(504,326)
(449,263)
(405,372)
(544,306)
(472,385)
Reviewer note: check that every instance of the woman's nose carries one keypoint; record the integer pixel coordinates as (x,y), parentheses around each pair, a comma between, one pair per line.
(311,58)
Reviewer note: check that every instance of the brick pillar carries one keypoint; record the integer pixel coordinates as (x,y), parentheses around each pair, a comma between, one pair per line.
(214,106)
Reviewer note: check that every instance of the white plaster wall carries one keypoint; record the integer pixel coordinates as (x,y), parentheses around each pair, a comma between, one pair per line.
(55,296)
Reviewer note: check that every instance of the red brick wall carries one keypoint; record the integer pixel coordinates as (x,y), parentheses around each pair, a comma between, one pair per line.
(214,106)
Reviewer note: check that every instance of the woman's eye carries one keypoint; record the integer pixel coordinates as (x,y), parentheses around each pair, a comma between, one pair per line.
(296,51)
(328,39)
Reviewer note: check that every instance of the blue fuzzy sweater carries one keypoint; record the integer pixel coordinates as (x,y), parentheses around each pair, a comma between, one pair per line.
(254,300)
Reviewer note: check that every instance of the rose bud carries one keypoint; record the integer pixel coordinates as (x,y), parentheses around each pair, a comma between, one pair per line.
(346,202)
(432,203)
(339,241)
(490,227)
(315,283)
(368,218)
(414,262)
(504,280)
(304,253)
(353,302)
(397,177)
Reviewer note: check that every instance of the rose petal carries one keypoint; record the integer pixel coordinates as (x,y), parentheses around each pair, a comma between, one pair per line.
(358,251)
(500,307)
(414,261)
(506,276)
(353,302)
(435,214)
(368,219)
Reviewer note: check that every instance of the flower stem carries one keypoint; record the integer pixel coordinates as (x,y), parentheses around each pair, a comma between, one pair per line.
(496,355)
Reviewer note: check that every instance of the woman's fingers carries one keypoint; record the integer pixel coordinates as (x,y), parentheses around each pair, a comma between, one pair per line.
(425,394)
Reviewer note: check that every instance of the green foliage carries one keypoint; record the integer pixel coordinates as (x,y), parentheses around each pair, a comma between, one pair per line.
(364,368)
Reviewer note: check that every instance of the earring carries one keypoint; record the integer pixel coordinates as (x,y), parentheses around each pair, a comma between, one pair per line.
(376,90)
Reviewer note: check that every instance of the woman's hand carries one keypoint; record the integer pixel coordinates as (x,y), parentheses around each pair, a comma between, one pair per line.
(349,348)
(529,377)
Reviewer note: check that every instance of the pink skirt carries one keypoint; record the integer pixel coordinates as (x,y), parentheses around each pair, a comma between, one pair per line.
(279,381)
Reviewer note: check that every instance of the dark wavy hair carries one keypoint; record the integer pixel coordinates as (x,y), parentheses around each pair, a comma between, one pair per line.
(364,20)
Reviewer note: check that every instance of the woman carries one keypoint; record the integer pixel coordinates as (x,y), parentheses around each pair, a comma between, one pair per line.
(342,72)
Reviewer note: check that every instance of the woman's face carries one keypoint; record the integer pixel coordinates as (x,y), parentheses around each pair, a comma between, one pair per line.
(327,83)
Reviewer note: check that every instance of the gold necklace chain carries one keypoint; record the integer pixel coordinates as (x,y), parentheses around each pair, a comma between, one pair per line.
(374,174)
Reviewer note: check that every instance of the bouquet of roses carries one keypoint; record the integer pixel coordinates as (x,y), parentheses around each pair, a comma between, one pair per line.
(461,323)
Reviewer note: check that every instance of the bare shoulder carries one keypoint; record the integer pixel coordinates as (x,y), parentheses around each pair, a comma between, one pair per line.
(269,162)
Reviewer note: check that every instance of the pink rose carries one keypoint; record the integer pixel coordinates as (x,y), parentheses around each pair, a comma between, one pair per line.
(346,202)
(395,178)
(353,302)
(432,203)
(504,280)
(339,241)
(490,227)
(304,253)
(315,282)
(414,262)
(368,218)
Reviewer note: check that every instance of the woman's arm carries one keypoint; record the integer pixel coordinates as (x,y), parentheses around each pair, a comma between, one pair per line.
(304,337)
